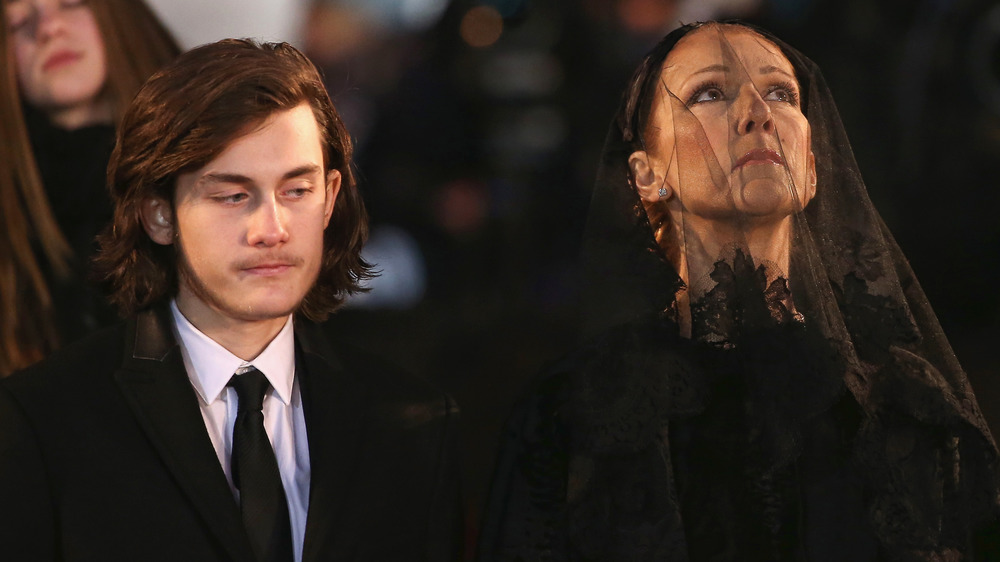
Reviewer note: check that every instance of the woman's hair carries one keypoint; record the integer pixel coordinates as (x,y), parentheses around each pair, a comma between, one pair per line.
(183,118)
(633,116)
(136,45)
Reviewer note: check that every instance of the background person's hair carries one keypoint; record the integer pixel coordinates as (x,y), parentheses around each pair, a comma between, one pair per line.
(184,117)
(136,45)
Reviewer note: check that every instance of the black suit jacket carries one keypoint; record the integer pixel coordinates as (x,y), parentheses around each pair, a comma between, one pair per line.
(104,456)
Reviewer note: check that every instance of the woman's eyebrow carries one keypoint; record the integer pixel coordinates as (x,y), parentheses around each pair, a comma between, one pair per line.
(770,69)
(712,68)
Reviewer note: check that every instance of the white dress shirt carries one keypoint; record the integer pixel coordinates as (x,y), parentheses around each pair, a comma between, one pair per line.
(210,366)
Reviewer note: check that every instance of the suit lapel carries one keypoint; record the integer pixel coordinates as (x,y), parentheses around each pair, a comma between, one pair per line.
(334,405)
(157,389)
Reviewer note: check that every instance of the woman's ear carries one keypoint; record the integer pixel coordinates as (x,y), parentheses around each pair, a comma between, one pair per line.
(651,187)
(810,190)
(158,220)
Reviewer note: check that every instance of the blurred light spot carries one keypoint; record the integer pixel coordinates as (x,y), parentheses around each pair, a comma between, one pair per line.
(541,128)
(403,277)
(421,14)
(481,26)
(462,207)
(524,139)
(397,15)
(646,16)
(522,74)
(507,8)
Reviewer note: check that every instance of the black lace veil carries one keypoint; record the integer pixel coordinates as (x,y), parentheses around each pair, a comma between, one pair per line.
(747,308)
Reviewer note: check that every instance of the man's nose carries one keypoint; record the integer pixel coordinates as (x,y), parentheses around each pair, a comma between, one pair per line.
(268,224)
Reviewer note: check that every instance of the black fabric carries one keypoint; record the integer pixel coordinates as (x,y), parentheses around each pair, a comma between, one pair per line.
(255,472)
(73,167)
(104,456)
(802,408)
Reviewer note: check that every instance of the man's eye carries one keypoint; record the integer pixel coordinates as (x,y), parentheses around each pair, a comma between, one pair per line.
(298,192)
(231,198)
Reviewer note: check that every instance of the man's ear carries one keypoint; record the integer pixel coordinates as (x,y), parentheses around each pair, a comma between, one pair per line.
(333,179)
(158,220)
(650,187)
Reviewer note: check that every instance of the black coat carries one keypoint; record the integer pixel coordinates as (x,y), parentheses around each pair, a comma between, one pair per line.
(104,456)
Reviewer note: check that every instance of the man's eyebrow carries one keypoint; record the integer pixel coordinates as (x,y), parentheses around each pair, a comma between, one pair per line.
(227,177)
(223,177)
(304,170)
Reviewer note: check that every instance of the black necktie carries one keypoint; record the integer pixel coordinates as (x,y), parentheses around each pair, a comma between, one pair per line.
(255,473)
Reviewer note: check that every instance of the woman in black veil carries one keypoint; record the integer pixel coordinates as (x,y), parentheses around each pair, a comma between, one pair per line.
(765,378)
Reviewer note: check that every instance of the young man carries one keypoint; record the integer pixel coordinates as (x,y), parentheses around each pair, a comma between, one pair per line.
(218,423)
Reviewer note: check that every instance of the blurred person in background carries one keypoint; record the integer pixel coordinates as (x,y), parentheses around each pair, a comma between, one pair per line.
(70,66)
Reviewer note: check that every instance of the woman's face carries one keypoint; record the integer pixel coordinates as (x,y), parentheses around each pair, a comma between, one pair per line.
(60,59)
(726,135)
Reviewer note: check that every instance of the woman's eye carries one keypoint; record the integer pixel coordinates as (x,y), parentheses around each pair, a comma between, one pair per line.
(17,15)
(783,94)
(707,95)
(778,95)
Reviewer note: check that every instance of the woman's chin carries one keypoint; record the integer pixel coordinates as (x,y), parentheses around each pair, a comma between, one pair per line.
(764,197)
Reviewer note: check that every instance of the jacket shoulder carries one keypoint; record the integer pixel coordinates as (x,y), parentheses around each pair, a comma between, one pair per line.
(380,379)
(384,377)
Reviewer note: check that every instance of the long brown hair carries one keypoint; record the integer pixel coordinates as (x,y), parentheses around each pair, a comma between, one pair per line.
(136,44)
(183,118)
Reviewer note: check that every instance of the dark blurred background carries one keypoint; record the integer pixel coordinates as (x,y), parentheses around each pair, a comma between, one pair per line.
(478,125)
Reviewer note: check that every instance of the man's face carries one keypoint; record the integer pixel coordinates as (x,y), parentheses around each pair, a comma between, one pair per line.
(249,224)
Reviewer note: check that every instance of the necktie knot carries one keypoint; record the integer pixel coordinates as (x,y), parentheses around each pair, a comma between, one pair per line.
(250,389)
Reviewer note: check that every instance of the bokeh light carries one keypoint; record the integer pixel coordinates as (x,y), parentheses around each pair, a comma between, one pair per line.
(481,26)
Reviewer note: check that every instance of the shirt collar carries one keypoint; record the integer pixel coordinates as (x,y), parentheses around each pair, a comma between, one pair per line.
(210,366)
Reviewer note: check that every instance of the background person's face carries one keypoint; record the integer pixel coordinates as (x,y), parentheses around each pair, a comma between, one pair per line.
(60,59)
(727,127)
(249,224)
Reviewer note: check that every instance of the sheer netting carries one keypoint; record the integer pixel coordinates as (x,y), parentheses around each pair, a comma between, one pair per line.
(765,378)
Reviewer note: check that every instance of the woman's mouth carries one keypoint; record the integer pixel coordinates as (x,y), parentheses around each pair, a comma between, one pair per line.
(759,156)
(59,59)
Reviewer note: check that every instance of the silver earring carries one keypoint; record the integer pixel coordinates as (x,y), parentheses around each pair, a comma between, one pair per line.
(662,192)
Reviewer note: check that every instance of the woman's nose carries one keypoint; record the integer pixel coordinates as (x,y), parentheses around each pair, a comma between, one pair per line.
(50,19)
(751,111)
